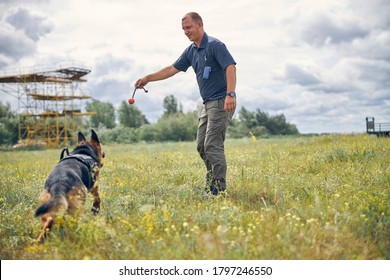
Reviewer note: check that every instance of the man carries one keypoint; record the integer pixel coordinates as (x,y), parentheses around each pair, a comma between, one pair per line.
(216,76)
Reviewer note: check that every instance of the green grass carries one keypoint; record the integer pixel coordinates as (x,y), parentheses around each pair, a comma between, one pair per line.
(288,198)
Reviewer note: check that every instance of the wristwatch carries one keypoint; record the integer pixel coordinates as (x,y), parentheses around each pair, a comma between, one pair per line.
(231,94)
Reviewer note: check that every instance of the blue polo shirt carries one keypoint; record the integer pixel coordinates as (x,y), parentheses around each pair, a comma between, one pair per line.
(209,62)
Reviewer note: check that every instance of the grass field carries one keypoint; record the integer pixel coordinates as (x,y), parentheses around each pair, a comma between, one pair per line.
(324,197)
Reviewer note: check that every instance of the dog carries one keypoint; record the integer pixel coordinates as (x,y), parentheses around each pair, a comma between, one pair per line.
(68,184)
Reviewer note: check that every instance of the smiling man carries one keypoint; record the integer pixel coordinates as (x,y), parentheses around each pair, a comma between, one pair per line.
(215,72)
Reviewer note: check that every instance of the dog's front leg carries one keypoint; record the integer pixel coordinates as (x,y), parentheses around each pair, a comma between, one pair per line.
(96,200)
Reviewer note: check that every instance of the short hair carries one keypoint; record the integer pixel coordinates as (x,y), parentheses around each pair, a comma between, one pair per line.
(194,16)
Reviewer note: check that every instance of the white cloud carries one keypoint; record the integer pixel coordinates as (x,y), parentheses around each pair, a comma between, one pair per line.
(33,26)
(20,31)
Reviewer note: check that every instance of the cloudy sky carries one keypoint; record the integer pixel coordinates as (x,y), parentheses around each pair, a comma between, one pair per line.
(325,65)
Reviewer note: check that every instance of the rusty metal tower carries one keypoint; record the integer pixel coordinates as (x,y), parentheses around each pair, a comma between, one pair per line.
(49,104)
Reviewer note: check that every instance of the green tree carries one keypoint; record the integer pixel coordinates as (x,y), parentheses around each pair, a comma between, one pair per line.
(260,123)
(131,116)
(8,125)
(278,125)
(105,113)
(261,118)
(177,127)
(171,106)
(148,132)
(247,118)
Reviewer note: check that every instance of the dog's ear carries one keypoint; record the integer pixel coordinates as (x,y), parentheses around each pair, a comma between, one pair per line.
(94,136)
(81,138)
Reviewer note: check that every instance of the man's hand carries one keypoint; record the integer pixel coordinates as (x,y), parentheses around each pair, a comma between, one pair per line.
(140,83)
(230,103)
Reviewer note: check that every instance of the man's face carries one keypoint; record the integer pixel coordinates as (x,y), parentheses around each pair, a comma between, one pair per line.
(191,29)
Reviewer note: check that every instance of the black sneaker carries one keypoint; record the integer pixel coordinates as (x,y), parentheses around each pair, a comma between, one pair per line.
(214,190)
(218,187)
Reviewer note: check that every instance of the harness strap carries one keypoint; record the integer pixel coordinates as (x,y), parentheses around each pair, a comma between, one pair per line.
(86,160)
(63,151)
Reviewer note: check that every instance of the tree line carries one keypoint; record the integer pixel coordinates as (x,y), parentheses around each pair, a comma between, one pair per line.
(129,125)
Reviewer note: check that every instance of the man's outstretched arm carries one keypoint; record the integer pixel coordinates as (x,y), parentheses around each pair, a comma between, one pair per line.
(162,74)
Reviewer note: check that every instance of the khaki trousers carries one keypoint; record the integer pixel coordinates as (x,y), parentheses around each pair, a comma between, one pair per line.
(213,122)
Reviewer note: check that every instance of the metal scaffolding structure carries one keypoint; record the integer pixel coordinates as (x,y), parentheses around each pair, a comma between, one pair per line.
(49,104)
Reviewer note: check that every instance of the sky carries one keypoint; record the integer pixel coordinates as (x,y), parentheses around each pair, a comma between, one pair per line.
(324,65)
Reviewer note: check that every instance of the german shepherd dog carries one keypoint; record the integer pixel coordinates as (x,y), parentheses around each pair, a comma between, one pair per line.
(68,184)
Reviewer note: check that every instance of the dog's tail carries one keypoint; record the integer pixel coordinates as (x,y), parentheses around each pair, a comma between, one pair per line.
(53,205)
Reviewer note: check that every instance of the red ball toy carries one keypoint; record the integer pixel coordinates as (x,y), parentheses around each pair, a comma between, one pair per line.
(131,100)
